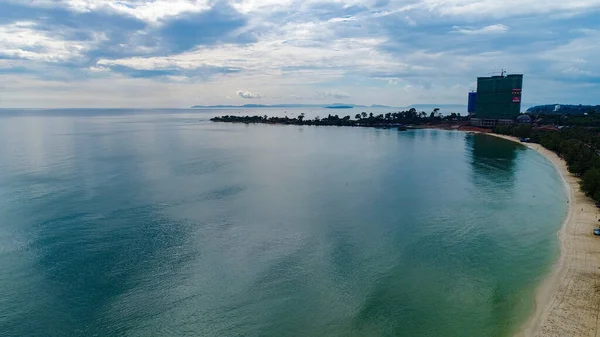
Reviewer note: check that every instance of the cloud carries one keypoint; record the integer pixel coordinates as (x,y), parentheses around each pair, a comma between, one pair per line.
(390,52)
(124,31)
(410,21)
(336,94)
(202,73)
(491,29)
(506,8)
(61,34)
(221,23)
(149,11)
(247,95)
(21,40)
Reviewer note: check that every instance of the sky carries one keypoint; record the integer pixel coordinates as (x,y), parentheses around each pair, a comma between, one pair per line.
(179,53)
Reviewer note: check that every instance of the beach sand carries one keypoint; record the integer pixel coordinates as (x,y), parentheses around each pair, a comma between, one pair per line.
(567,302)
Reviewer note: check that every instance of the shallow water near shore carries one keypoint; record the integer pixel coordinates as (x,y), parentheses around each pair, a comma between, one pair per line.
(162,223)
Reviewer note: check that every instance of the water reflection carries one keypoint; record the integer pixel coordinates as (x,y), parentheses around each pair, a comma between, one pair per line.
(154,226)
(492,161)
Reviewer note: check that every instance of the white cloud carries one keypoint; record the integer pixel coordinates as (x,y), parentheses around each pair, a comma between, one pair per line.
(277,58)
(576,59)
(491,29)
(505,8)
(247,95)
(336,94)
(156,10)
(269,6)
(150,11)
(325,53)
(22,40)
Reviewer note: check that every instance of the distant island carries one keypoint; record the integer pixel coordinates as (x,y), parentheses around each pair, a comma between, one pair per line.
(339,106)
(327,106)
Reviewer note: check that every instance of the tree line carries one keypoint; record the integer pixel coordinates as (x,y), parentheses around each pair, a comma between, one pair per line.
(578,146)
(408,117)
(591,120)
(564,109)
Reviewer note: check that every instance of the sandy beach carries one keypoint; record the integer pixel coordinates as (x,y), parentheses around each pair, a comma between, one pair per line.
(567,302)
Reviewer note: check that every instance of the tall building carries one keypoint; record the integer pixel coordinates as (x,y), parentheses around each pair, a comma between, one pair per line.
(498,100)
(472,104)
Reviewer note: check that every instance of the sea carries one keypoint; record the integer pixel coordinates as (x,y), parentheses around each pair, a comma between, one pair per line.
(163,223)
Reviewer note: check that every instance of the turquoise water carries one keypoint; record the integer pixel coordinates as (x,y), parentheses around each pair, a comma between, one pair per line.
(140,223)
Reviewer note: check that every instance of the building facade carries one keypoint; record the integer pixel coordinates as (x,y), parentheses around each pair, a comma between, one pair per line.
(471,109)
(498,100)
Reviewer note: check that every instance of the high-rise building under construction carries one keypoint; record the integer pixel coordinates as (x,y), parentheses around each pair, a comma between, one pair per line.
(498,100)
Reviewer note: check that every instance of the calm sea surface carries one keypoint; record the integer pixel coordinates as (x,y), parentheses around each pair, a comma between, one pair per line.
(161,223)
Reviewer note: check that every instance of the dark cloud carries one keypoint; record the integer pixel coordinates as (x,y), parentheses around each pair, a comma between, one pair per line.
(439,35)
(117,35)
(107,30)
(15,70)
(69,24)
(113,35)
(217,25)
(204,72)
(381,3)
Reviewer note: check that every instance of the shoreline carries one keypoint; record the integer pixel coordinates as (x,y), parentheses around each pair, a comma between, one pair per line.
(567,298)
(567,302)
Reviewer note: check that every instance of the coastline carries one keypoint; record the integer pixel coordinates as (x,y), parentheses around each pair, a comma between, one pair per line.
(567,302)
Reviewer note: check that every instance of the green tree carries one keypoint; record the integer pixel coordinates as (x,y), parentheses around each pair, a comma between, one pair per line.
(590,183)
(357,116)
(522,131)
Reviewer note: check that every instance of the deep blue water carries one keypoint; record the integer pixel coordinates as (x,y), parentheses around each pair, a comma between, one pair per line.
(159,222)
